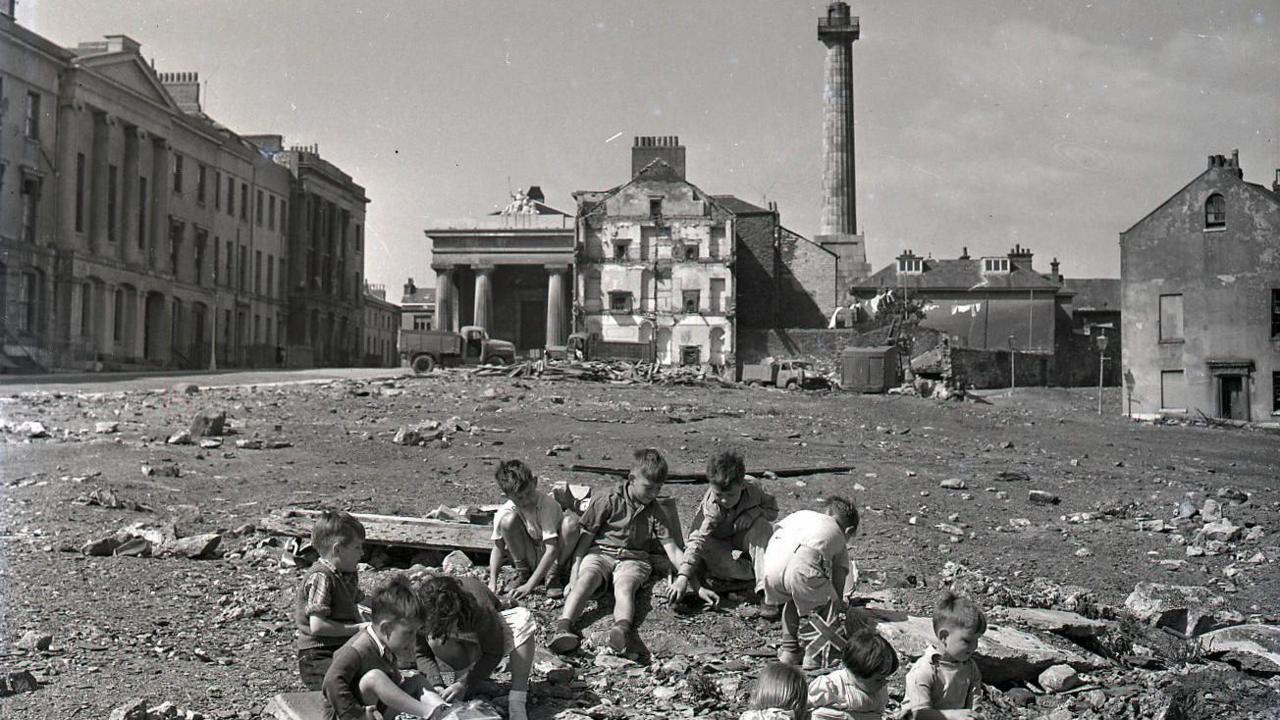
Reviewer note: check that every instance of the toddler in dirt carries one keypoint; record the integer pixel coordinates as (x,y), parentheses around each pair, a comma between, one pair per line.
(779,694)
(856,691)
(531,529)
(944,682)
(735,514)
(807,566)
(365,671)
(325,609)
(614,547)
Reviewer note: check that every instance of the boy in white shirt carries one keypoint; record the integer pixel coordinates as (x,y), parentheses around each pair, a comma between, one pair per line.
(534,531)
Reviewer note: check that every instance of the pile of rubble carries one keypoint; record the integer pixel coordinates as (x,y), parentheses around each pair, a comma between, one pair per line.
(612,371)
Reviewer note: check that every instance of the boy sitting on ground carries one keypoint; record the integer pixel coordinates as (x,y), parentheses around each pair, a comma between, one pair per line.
(325,610)
(807,566)
(365,671)
(734,515)
(531,528)
(616,532)
(945,681)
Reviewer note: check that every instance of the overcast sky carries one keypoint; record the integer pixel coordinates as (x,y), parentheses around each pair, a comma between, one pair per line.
(1053,123)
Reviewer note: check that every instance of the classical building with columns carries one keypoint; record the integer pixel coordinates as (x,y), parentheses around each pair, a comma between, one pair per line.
(30,73)
(656,261)
(151,236)
(510,272)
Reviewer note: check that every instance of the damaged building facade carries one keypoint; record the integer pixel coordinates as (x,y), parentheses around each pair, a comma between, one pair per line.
(655,261)
(142,232)
(1200,279)
(510,272)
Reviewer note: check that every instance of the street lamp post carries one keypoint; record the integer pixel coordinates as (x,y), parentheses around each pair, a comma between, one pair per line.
(1013,376)
(1102,353)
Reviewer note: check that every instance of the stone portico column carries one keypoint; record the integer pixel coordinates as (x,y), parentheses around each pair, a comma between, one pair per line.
(443,319)
(106,336)
(484,297)
(555,304)
(159,188)
(98,182)
(127,216)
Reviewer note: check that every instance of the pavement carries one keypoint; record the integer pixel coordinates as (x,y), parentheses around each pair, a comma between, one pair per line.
(87,383)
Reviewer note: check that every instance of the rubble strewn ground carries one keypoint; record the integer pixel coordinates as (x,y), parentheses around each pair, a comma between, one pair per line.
(131,567)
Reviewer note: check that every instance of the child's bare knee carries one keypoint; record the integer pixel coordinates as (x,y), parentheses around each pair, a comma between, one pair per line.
(372,683)
(508,523)
(570,525)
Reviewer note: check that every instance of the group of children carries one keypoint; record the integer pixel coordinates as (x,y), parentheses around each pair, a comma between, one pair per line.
(457,632)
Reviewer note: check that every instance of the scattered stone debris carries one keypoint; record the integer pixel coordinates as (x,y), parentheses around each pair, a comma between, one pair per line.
(1253,648)
(106,428)
(1041,497)
(1058,678)
(107,498)
(1189,610)
(34,641)
(14,682)
(457,562)
(953,484)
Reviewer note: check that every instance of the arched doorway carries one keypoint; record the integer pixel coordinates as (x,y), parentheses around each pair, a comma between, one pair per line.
(717,347)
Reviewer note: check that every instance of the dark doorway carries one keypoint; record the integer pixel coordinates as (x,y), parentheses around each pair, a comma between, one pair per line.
(533,324)
(1232,403)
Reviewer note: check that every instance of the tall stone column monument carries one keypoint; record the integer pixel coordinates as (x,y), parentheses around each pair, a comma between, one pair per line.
(839,229)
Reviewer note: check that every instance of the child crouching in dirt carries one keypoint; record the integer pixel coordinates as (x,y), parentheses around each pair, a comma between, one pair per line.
(325,609)
(466,633)
(534,531)
(614,547)
(734,515)
(807,566)
(365,671)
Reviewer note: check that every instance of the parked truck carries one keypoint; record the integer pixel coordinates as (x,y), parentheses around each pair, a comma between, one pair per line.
(423,350)
(783,373)
(590,346)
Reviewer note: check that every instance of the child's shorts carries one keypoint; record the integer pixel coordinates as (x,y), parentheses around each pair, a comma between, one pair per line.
(798,574)
(518,628)
(606,567)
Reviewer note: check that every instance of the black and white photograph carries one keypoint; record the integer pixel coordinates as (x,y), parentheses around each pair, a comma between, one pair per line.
(589,360)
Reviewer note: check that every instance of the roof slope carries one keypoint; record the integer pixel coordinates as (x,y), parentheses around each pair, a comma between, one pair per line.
(1094,293)
(957,275)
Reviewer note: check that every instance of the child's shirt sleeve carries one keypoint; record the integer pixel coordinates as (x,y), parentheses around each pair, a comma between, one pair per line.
(598,511)
(549,517)
(317,588)
(824,693)
(344,675)
(711,515)
(919,685)
(975,684)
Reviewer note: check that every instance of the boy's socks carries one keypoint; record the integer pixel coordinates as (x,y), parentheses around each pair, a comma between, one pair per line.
(516,705)
(619,635)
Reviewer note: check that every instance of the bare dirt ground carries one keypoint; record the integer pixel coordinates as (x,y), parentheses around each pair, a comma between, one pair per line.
(214,635)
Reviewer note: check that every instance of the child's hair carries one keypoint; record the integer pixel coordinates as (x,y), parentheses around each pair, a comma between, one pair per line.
(867,654)
(959,612)
(513,477)
(726,469)
(395,600)
(844,512)
(446,607)
(780,686)
(333,528)
(652,466)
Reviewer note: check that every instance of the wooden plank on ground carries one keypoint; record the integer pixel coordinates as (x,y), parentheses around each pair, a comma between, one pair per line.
(422,534)
(701,477)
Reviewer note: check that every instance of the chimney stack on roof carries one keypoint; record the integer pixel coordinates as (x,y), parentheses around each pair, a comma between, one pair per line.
(1020,255)
(1053,271)
(666,148)
(184,88)
(964,252)
(410,289)
(1227,163)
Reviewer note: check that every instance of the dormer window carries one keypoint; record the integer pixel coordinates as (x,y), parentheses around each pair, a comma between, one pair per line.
(1215,211)
(911,265)
(995,265)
